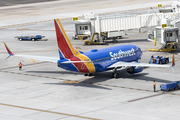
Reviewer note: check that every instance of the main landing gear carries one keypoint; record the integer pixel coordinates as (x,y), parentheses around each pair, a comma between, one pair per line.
(88,74)
(114,74)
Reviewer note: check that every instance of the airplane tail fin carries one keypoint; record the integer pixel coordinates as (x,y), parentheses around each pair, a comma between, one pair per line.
(8,50)
(65,47)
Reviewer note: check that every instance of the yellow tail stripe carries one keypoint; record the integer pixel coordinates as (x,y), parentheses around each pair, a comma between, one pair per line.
(75,52)
(89,64)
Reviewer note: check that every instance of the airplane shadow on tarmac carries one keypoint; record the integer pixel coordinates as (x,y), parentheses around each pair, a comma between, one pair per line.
(56,72)
(82,84)
(143,77)
(101,77)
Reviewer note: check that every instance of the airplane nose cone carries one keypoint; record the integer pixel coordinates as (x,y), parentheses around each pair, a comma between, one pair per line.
(139,53)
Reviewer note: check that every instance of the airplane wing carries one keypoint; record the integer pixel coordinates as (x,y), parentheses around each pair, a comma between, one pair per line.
(130,64)
(43,58)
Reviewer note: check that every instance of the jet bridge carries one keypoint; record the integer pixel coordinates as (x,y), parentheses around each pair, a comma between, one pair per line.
(167,36)
(114,26)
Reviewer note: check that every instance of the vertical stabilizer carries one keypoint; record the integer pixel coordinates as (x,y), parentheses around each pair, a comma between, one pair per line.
(65,47)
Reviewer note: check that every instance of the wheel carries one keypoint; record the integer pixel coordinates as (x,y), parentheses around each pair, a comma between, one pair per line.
(33,39)
(112,75)
(166,61)
(90,74)
(86,74)
(86,43)
(160,62)
(20,39)
(116,75)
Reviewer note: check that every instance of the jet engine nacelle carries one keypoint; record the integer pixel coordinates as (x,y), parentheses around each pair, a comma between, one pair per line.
(133,70)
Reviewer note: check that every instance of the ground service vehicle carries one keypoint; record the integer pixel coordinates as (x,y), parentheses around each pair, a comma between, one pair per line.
(33,38)
(170,86)
(159,60)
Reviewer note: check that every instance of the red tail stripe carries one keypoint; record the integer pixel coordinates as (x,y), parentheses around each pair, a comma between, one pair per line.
(80,66)
(62,43)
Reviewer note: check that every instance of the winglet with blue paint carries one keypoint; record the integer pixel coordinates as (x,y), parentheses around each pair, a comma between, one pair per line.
(8,50)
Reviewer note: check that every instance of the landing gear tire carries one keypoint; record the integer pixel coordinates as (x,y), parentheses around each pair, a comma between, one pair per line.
(116,75)
(86,74)
(90,74)
(112,75)
(167,61)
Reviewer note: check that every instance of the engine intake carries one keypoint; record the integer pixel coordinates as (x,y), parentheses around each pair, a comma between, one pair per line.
(133,70)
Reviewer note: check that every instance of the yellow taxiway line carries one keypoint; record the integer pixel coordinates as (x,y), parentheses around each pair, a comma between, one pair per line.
(47,111)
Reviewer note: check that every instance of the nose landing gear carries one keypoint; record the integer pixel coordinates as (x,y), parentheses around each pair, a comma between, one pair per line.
(114,74)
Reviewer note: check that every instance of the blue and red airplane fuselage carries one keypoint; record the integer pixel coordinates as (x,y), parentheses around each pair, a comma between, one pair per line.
(103,58)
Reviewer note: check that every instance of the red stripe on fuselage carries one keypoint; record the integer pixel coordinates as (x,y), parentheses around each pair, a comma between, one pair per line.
(80,66)
(62,43)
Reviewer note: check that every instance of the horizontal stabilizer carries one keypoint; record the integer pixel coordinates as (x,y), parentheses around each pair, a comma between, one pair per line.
(43,58)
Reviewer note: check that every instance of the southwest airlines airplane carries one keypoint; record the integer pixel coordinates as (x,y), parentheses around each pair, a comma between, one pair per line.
(113,58)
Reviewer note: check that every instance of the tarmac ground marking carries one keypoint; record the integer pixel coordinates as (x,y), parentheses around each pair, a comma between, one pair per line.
(84,6)
(59,9)
(47,111)
(82,81)
(144,97)
(106,3)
